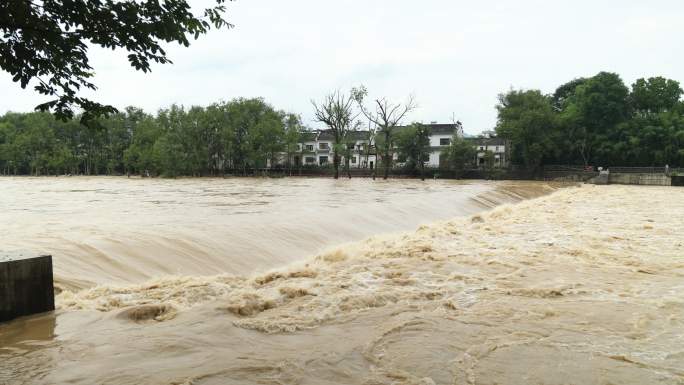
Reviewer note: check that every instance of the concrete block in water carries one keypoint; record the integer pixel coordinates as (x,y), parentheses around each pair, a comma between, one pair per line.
(26,285)
(644,179)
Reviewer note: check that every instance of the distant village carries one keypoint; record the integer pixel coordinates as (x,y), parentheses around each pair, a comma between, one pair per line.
(315,148)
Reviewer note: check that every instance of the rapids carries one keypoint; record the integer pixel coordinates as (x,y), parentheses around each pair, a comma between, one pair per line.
(103,230)
(582,286)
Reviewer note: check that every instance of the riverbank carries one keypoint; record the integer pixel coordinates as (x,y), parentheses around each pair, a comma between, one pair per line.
(582,286)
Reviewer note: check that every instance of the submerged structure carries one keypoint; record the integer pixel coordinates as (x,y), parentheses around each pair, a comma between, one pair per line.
(26,285)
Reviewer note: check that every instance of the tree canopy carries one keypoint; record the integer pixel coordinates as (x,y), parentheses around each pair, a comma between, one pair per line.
(459,155)
(336,111)
(413,146)
(229,136)
(526,117)
(46,42)
(596,121)
(655,94)
(387,116)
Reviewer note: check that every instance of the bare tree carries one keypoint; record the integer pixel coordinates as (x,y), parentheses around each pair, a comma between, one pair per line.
(347,150)
(337,112)
(387,116)
(370,137)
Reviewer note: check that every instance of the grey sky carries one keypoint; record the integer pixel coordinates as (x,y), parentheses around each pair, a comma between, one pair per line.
(454,56)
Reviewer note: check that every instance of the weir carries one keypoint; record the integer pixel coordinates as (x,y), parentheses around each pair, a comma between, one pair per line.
(26,285)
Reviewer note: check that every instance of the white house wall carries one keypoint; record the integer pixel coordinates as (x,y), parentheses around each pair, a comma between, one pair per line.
(435,139)
(433,160)
(358,152)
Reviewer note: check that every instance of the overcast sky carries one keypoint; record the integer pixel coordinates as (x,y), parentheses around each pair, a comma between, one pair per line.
(455,56)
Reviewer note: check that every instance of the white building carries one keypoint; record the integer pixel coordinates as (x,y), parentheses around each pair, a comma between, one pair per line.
(498,147)
(315,147)
(440,138)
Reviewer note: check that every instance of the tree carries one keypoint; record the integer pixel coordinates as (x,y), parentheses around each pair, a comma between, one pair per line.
(597,120)
(293,131)
(386,116)
(336,111)
(459,155)
(8,152)
(488,158)
(196,136)
(603,101)
(656,94)
(347,148)
(576,137)
(564,92)
(266,139)
(171,149)
(527,119)
(166,152)
(139,156)
(570,138)
(413,144)
(597,107)
(47,42)
(245,147)
(370,145)
(199,141)
(650,140)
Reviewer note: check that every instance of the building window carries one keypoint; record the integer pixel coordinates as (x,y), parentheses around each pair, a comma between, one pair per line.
(353,160)
(350,146)
(310,160)
(323,146)
(444,141)
(482,148)
(309,147)
(323,160)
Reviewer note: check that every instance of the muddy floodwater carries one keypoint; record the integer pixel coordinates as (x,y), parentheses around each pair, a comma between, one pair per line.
(118,230)
(315,281)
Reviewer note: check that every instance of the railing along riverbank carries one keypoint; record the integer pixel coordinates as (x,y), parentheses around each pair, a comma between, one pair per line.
(560,173)
(649,176)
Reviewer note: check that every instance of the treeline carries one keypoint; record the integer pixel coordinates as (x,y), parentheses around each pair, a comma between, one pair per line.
(596,121)
(238,135)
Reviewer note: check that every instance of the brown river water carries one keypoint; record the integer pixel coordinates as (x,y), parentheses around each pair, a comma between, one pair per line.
(286,281)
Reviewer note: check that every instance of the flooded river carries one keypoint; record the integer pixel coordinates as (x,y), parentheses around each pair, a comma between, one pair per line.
(118,230)
(290,281)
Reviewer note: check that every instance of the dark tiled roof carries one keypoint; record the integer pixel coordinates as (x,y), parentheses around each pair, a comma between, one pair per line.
(357,135)
(308,136)
(325,135)
(435,128)
(353,135)
(442,128)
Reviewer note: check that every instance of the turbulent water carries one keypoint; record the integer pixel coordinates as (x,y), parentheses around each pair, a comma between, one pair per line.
(583,286)
(119,230)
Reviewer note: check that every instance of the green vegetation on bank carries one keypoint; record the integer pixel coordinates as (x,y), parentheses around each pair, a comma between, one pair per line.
(240,134)
(596,121)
